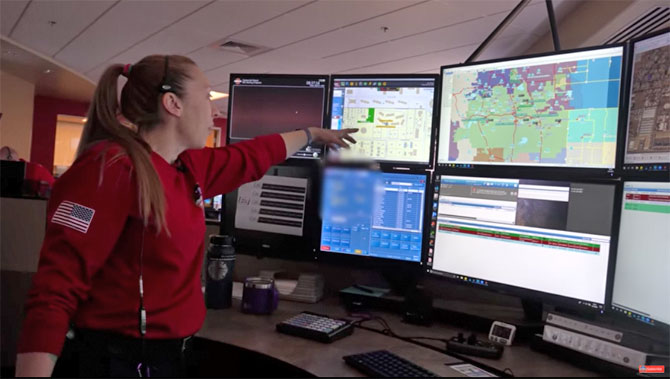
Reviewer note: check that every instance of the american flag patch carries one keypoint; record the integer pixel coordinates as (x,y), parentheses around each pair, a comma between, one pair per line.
(72,215)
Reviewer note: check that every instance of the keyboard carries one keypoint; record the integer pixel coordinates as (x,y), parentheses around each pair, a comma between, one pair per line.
(384,364)
(316,327)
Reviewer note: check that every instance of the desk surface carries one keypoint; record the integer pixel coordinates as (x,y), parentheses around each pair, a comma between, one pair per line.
(257,333)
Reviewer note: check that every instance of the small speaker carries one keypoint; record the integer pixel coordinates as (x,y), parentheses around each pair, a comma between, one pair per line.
(418,307)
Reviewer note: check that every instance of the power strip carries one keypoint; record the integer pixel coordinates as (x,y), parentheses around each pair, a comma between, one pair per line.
(594,347)
(484,349)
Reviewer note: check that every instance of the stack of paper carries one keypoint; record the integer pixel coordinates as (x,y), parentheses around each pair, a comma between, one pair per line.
(308,288)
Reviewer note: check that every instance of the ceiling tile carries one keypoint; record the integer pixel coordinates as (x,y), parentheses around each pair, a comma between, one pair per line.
(306,56)
(222,87)
(125,24)
(95,74)
(427,63)
(370,32)
(70,17)
(316,18)
(472,32)
(10,11)
(208,58)
(511,45)
(208,25)
(532,19)
(258,65)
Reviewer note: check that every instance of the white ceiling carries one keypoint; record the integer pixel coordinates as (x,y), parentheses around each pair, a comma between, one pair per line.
(50,78)
(324,36)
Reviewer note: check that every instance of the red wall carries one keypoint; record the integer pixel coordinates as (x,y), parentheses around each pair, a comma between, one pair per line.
(45,116)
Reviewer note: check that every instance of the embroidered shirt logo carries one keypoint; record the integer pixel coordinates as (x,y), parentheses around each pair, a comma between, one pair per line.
(73,215)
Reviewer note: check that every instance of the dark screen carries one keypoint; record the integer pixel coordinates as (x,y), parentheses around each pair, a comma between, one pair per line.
(261,110)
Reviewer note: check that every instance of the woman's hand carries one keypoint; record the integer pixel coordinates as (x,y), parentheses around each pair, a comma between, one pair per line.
(333,138)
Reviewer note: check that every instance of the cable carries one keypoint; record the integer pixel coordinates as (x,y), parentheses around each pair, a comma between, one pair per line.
(389,332)
(142,315)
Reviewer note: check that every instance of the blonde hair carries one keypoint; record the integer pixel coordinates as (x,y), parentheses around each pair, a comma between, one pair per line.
(140,104)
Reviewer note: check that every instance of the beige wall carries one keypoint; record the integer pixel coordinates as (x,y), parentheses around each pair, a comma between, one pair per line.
(67,140)
(16,105)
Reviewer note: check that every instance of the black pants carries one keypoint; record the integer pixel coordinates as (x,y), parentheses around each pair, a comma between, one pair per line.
(103,354)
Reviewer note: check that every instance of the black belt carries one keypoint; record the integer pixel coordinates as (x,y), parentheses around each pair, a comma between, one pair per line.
(130,348)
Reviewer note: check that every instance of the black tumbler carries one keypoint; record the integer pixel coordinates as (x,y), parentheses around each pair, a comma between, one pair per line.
(220,262)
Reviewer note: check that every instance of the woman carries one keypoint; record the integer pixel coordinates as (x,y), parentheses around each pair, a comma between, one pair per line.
(123,250)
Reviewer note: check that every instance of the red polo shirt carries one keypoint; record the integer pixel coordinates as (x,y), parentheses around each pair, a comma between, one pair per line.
(89,263)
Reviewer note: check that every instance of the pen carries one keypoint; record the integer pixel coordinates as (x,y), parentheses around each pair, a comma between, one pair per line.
(359,287)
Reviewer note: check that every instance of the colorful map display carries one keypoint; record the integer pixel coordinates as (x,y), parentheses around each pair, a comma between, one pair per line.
(560,110)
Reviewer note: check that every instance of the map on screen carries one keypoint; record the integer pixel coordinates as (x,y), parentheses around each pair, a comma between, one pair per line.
(548,111)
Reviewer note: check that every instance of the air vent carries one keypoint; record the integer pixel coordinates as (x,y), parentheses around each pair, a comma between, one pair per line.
(654,19)
(239,47)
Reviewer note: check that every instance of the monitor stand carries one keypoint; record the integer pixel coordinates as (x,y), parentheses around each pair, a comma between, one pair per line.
(398,292)
(418,307)
(401,282)
(532,310)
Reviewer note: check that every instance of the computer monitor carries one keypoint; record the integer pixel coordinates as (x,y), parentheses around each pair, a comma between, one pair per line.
(276,216)
(641,289)
(648,133)
(213,208)
(538,239)
(12,178)
(374,215)
(261,104)
(558,110)
(394,115)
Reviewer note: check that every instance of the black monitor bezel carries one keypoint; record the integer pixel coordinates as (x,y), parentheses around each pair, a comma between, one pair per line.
(326,100)
(622,167)
(563,302)
(368,262)
(659,328)
(399,165)
(540,171)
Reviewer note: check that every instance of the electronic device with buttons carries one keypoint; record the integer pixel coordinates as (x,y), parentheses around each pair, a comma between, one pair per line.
(384,364)
(475,347)
(316,327)
(502,333)
(595,347)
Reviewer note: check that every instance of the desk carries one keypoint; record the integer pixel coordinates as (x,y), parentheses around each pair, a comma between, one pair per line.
(257,334)
(22,227)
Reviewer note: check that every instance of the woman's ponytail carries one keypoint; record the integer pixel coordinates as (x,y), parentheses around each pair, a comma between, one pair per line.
(103,124)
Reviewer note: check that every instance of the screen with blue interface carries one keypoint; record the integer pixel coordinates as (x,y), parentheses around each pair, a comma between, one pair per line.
(559,110)
(371,213)
(394,117)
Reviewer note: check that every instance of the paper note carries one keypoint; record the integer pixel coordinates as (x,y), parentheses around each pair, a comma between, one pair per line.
(471,371)
(273,204)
